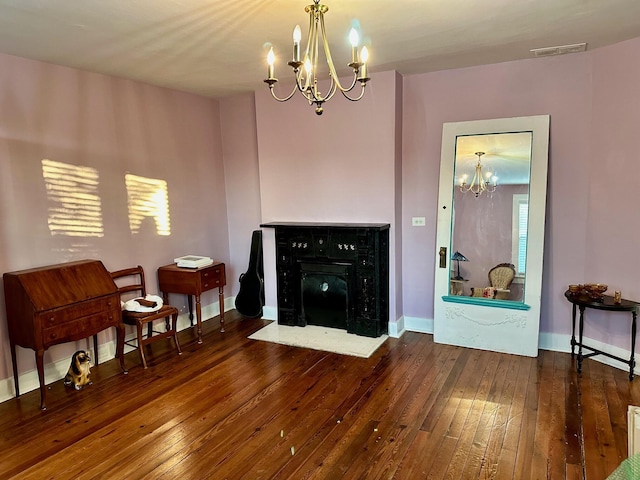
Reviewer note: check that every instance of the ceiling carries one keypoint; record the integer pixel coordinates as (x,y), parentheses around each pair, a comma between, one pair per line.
(218,48)
(504,155)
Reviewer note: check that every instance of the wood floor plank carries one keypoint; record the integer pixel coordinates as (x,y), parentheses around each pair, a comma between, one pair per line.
(594,465)
(606,439)
(504,469)
(573,418)
(234,408)
(498,432)
(490,413)
(558,441)
(529,423)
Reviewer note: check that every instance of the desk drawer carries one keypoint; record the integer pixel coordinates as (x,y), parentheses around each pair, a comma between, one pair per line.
(80,328)
(212,277)
(73,312)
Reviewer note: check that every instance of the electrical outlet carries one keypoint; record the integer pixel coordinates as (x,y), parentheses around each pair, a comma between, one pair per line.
(418,221)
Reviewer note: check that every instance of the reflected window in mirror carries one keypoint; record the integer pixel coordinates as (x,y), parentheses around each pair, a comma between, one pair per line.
(519,240)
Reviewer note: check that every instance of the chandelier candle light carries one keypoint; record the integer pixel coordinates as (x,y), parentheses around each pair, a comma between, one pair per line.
(478,183)
(307,80)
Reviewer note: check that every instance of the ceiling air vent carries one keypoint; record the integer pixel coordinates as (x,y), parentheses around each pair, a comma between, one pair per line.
(560,50)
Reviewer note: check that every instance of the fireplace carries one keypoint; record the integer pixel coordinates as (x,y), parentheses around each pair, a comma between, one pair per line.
(333,275)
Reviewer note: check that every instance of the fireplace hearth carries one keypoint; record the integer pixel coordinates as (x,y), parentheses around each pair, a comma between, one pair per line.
(333,275)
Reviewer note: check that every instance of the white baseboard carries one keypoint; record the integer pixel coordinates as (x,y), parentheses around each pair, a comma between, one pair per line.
(555,342)
(396,329)
(270,313)
(106,351)
(421,325)
(562,343)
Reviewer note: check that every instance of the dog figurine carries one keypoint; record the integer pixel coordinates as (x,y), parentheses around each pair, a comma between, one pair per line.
(79,373)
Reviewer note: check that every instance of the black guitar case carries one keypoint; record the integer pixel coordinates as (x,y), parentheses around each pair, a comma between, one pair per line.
(250,298)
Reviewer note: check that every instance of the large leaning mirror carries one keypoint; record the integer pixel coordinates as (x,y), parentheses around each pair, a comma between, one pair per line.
(490,233)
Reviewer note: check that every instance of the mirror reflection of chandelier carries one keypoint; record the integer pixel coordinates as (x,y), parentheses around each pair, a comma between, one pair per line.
(478,183)
(307,80)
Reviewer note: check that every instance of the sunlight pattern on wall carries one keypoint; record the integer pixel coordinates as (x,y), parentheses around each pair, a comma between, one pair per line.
(74,204)
(148,199)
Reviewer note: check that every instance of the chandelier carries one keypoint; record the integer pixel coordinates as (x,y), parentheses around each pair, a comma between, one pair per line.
(478,183)
(307,78)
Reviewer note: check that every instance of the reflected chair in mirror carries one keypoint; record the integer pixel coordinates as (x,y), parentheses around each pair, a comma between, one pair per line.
(500,278)
(133,288)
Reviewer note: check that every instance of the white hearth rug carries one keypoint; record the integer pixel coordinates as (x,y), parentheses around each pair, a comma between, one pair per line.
(320,338)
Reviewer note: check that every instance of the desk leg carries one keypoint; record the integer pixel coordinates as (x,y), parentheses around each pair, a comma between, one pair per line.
(573,330)
(632,362)
(95,349)
(190,303)
(221,300)
(580,330)
(120,333)
(43,389)
(199,318)
(15,367)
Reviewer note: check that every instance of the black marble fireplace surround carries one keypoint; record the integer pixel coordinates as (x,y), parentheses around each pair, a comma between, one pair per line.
(334,275)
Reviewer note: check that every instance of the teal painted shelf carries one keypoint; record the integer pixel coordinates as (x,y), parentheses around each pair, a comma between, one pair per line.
(486,302)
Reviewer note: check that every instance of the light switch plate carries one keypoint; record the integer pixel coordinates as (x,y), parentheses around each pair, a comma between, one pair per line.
(418,221)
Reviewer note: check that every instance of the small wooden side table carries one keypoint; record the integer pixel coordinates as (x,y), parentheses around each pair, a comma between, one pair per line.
(609,305)
(457,286)
(194,281)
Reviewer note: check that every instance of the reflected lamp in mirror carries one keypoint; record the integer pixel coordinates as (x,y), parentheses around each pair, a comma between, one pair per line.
(478,183)
(458,257)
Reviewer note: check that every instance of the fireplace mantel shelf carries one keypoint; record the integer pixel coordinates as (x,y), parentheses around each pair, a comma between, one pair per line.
(373,226)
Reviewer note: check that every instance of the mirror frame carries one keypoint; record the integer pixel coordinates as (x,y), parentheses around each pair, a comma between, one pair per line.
(504,326)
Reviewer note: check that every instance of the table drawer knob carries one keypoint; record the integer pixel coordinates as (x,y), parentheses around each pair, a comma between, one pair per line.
(206,274)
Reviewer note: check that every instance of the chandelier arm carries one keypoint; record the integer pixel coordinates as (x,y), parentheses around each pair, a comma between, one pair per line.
(308,52)
(273,94)
(331,92)
(354,99)
(311,92)
(332,68)
(301,85)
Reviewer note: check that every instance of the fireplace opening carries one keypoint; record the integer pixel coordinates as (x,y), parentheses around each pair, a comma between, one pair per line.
(325,292)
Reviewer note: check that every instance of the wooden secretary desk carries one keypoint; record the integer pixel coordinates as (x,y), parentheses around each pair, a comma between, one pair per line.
(57,304)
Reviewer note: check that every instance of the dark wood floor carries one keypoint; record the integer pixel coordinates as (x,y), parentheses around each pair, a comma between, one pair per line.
(241,409)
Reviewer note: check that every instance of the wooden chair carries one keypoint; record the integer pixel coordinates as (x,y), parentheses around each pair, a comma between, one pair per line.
(139,319)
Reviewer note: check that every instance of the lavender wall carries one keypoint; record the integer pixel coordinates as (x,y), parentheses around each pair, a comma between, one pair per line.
(240,153)
(113,127)
(611,231)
